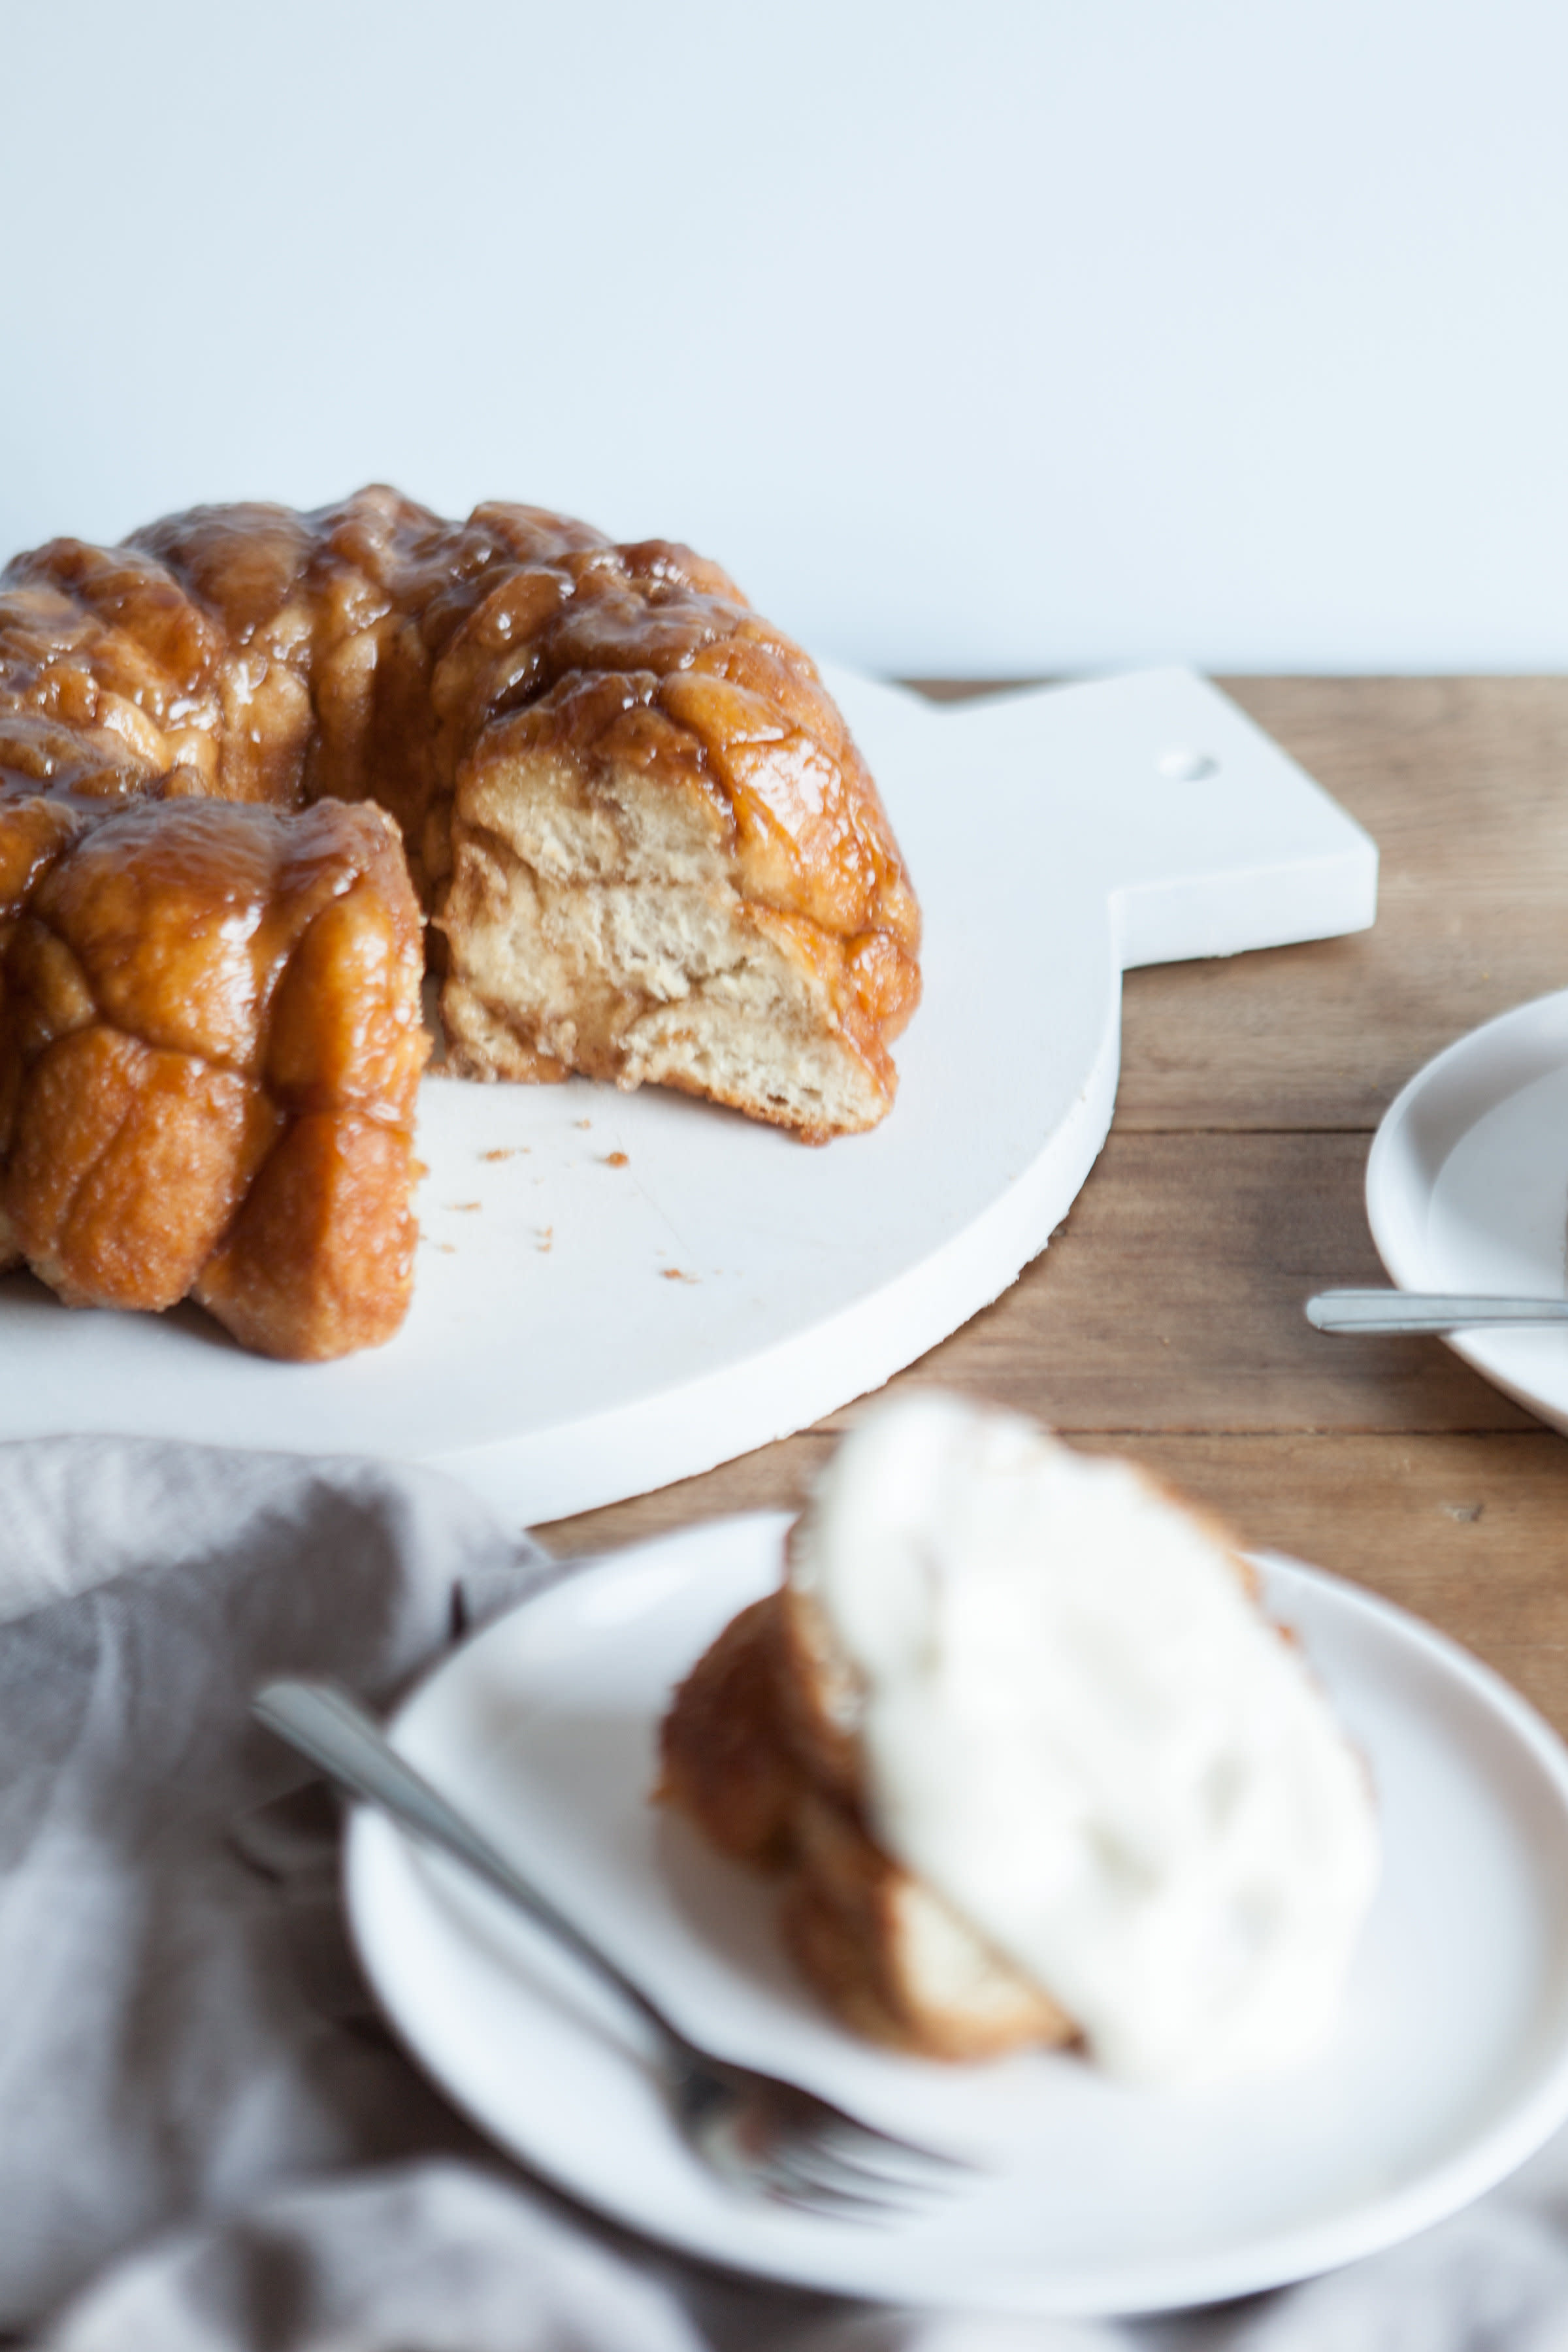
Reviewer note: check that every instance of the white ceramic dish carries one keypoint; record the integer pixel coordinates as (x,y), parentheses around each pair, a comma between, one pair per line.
(1450,2065)
(584,1330)
(1466,1190)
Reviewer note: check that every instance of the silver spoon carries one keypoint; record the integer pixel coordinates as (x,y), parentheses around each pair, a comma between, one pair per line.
(1420,1310)
(768,2137)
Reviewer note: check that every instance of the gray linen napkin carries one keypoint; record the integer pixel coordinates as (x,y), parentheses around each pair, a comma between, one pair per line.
(190,2066)
(159,2056)
(206,2142)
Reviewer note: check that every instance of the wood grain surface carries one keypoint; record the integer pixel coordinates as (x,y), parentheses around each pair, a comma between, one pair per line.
(1164,1320)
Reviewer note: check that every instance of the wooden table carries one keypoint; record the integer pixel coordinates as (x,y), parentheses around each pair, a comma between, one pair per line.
(1164,1320)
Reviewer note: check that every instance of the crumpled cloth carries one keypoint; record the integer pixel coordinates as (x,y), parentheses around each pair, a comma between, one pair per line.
(207,2141)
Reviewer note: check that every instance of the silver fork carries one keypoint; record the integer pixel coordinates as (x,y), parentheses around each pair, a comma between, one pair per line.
(1406,1311)
(768,2137)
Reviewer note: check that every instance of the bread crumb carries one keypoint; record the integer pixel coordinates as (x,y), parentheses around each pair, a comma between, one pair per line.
(615,1160)
(504,1152)
(582,1122)
(674,1273)
(465,1205)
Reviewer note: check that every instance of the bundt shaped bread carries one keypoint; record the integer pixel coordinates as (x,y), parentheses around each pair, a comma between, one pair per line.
(752,1754)
(647,847)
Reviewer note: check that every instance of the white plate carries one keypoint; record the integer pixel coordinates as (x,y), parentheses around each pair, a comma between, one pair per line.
(1450,2067)
(1466,1190)
(584,1330)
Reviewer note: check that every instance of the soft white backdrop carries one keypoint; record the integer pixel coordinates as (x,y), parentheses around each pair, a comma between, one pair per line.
(977,338)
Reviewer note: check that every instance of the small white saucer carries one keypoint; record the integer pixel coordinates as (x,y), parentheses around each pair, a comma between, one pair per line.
(1466,1190)
(1450,2067)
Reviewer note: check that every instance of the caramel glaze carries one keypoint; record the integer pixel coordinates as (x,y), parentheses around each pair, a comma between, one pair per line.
(209,1049)
(196,965)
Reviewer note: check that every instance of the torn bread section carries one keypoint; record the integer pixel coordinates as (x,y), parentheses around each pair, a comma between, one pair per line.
(622,905)
(759,1774)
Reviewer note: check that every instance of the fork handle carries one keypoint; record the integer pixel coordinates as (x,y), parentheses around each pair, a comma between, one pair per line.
(1417,1310)
(336,1735)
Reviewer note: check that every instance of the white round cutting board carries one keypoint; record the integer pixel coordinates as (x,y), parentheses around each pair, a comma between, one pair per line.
(615,1291)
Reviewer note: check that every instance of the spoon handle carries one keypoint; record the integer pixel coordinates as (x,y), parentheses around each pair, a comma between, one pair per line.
(1416,1310)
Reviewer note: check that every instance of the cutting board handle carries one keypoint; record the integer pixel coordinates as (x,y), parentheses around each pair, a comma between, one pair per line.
(1205,837)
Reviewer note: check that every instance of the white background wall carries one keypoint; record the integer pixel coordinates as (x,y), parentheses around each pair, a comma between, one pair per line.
(976,338)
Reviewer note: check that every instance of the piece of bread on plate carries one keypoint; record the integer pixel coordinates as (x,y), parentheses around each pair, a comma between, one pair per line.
(1031,1762)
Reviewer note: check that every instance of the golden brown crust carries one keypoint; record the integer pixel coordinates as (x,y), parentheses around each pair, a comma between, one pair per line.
(254,656)
(369,649)
(723,1760)
(195,1000)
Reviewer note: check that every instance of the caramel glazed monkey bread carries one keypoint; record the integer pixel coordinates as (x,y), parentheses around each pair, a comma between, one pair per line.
(243,755)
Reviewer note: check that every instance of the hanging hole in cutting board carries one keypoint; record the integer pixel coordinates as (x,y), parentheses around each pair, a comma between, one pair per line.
(1183,765)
